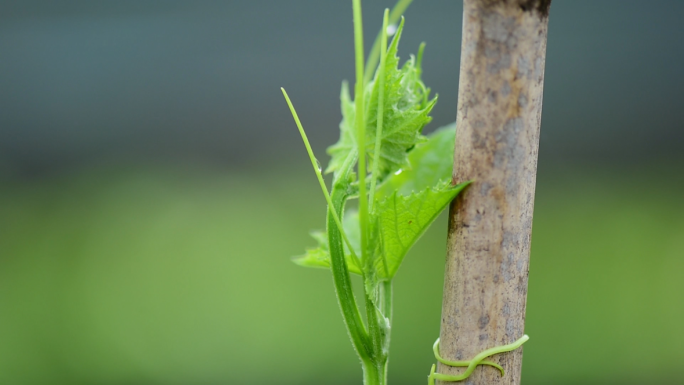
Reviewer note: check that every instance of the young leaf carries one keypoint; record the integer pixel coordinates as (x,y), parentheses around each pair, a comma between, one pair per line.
(429,163)
(403,219)
(417,195)
(347,142)
(405,112)
(320,256)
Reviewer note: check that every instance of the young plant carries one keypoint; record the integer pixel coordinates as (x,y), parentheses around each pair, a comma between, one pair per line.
(401,180)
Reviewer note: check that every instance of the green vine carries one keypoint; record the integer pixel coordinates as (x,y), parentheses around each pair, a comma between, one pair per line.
(472,364)
(406,189)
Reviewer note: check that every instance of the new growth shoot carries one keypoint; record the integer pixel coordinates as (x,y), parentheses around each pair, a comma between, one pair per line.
(406,189)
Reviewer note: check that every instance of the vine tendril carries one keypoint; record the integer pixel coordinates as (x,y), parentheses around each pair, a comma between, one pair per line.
(435,349)
(472,364)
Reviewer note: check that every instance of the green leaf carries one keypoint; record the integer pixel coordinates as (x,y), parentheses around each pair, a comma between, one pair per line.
(406,111)
(316,257)
(403,219)
(429,163)
(408,203)
(320,256)
(347,142)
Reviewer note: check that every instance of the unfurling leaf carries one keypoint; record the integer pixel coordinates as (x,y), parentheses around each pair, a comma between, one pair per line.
(320,256)
(405,112)
(347,142)
(408,202)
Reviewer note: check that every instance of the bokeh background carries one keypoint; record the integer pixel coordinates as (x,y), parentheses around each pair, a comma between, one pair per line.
(153,187)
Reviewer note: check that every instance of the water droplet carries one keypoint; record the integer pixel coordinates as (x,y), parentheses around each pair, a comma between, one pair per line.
(391,30)
(398,172)
(318,165)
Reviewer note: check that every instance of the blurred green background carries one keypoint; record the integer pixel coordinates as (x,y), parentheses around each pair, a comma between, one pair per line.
(153,188)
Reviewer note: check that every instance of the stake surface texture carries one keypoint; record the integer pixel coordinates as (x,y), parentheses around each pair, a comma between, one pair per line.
(499,114)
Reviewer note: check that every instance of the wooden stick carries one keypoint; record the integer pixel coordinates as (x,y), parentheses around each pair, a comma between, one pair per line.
(499,114)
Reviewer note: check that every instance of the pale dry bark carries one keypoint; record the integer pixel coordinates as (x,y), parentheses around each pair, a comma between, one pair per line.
(499,114)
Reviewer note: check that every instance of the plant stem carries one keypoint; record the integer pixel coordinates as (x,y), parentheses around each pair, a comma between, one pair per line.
(387,301)
(343,286)
(374,359)
(338,264)
(360,127)
(381,104)
(317,170)
(374,374)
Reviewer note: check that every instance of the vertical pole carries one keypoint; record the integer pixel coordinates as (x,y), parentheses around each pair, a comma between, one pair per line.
(499,114)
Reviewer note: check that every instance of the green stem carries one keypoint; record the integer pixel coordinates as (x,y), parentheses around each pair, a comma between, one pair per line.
(374,374)
(375,331)
(343,286)
(387,301)
(381,104)
(379,333)
(360,128)
(317,170)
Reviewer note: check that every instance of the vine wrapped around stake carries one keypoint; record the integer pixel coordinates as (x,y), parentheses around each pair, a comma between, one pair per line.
(472,364)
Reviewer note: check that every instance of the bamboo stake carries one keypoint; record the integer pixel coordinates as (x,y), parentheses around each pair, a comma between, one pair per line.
(499,113)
